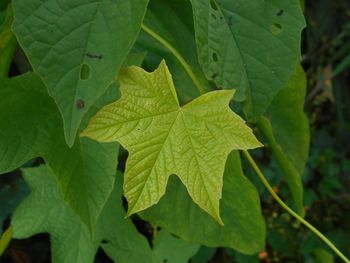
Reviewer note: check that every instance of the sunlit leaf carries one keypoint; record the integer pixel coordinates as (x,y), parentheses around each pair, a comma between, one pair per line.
(163,138)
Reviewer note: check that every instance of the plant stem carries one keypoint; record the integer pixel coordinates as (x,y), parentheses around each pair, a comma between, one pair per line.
(290,211)
(5,239)
(177,55)
(246,153)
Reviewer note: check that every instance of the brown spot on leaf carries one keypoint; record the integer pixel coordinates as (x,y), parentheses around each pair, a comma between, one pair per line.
(80,104)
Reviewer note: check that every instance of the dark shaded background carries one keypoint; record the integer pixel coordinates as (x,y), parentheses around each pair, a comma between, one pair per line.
(326,60)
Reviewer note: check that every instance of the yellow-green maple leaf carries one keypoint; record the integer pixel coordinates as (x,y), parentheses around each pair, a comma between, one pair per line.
(163,138)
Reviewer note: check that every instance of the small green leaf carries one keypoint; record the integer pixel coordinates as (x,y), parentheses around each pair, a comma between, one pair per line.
(77,47)
(252,46)
(163,138)
(244,228)
(31,126)
(71,241)
(286,130)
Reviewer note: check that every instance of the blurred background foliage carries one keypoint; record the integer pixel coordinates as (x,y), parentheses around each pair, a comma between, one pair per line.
(326,60)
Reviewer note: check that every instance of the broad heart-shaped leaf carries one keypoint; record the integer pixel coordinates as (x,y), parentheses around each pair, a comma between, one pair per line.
(163,138)
(71,241)
(31,126)
(286,130)
(77,47)
(252,46)
(244,228)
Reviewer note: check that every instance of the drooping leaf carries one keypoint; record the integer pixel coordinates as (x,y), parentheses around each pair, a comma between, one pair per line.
(161,16)
(163,138)
(286,130)
(31,126)
(252,46)
(77,47)
(71,241)
(8,42)
(244,228)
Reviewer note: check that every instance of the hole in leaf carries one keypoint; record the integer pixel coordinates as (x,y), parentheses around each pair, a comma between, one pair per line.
(280,12)
(213,5)
(215,57)
(276,29)
(84,72)
(104,241)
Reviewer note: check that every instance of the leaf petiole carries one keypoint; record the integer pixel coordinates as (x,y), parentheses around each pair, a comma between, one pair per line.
(290,211)
(5,239)
(178,56)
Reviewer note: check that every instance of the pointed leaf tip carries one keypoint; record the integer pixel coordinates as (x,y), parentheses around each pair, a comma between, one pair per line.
(163,138)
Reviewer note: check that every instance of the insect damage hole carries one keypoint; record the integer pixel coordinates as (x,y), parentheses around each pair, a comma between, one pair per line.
(280,12)
(276,29)
(215,57)
(213,5)
(84,72)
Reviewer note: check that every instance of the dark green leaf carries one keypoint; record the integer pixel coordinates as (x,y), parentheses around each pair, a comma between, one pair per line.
(77,47)
(31,126)
(71,241)
(286,130)
(252,46)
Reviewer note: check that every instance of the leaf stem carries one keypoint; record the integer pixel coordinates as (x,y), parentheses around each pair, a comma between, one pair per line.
(290,211)
(179,57)
(5,239)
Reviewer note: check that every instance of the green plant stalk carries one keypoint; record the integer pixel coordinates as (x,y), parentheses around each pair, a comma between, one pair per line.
(177,55)
(290,211)
(291,174)
(246,153)
(5,239)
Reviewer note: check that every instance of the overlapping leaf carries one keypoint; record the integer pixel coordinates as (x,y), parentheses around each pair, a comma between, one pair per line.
(286,130)
(77,47)
(163,138)
(244,228)
(252,46)
(30,126)
(71,241)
